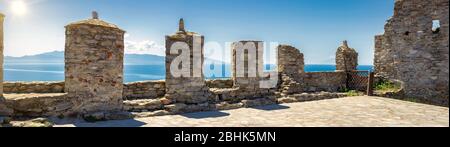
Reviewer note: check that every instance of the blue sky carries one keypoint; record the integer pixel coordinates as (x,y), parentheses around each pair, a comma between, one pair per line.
(316,27)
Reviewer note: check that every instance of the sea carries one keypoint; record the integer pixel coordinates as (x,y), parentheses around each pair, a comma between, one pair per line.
(55,72)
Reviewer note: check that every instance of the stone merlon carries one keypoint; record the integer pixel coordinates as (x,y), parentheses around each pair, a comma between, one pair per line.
(95,21)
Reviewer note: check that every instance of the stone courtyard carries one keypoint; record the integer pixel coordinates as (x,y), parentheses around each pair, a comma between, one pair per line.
(360,111)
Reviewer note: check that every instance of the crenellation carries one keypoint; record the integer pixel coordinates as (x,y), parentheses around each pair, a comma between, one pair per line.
(247,66)
(94,65)
(413,50)
(95,89)
(187,85)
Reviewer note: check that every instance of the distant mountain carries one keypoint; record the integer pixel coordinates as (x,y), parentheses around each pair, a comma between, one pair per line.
(57,57)
(54,57)
(145,59)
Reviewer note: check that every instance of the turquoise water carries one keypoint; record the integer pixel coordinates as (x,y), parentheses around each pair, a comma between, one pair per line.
(55,72)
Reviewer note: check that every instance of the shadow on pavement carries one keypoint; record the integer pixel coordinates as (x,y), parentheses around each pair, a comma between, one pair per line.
(200,115)
(271,107)
(110,123)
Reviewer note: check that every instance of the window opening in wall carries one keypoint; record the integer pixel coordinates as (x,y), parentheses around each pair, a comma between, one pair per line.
(436,26)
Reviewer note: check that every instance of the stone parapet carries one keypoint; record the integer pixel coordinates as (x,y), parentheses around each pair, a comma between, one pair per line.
(144,90)
(33,87)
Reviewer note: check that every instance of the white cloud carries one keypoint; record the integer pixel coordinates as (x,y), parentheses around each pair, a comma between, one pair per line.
(144,47)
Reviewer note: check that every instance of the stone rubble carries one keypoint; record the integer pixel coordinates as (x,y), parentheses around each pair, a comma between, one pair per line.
(37,122)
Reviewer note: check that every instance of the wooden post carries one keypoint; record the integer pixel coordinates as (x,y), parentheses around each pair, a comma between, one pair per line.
(370,84)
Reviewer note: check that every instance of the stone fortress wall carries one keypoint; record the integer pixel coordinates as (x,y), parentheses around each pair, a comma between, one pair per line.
(414,49)
(94,80)
(94,86)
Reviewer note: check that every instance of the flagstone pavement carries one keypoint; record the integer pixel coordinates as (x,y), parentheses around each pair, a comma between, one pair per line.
(360,111)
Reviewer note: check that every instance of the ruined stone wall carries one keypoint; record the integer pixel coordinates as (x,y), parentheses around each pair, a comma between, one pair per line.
(414,52)
(323,81)
(94,65)
(33,87)
(290,65)
(187,86)
(144,89)
(346,58)
(250,63)
(294,80)
(247,68)
(290,60)
(383,61)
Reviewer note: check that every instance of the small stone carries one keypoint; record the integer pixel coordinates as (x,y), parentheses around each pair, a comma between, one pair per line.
(175,108)
(287,100)
(38,122)
(165,101)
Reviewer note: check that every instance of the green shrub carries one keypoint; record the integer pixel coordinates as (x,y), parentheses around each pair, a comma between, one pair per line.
(387,86)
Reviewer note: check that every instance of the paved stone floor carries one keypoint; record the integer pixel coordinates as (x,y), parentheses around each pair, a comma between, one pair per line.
(344,112)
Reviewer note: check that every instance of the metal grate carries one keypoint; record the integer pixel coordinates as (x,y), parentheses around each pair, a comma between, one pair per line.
(358,80)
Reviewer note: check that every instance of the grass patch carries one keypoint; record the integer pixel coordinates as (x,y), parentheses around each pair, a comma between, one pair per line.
(352,93)
(387,86)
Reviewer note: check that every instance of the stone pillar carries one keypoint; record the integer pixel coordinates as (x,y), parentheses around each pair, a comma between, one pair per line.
(4,110)
(290,60)
(346,58)
(185,81)
(94,65)
(1,54)
(247,64)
